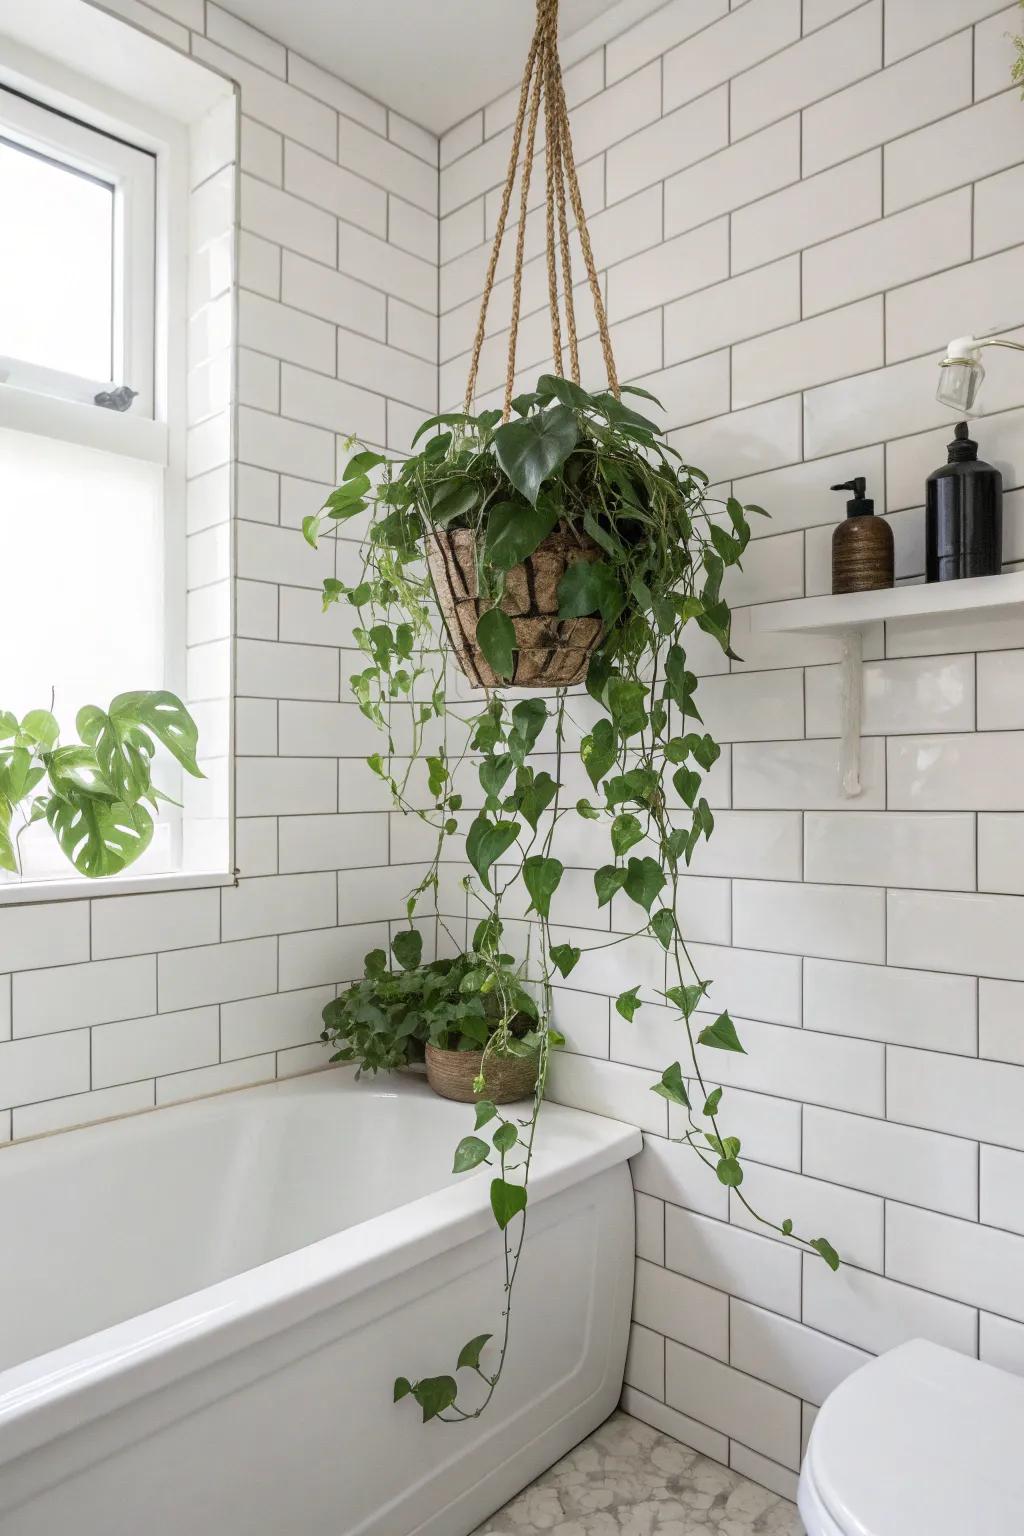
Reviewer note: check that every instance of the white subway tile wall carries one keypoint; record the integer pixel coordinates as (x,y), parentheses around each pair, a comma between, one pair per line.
(829,192)
(794,207)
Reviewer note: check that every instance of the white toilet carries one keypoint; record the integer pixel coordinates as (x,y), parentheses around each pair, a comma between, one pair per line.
(921,1442)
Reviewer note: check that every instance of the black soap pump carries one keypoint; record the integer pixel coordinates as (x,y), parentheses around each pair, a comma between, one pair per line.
(862,547)
(963,514)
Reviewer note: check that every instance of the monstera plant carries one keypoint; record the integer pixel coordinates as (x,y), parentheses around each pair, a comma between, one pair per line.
(97,794)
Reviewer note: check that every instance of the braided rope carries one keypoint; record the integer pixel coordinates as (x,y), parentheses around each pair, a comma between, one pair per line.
(569,165)
(517,270)
(547,19)
(506,200)
(542,77)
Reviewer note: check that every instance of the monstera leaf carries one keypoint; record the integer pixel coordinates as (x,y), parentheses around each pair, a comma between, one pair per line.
(100,837)
(122,739)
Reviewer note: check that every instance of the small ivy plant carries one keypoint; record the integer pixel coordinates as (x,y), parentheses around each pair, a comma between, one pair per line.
(593,467)
(97,794)
(1017,72)
(465,1003)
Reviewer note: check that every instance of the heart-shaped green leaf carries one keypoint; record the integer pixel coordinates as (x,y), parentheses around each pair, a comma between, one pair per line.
(663,925)
(514,531)
(486,842)
(687,784)
(589,586)
(505,1137)
(672,1086)
(493,773)
(528,719)
(551,387)
(469,1354)
(541,877)
(626,832)
(455,499)
(627,1003)
(608,881)
(470,1152)
(507,1200)
(531,450)
(599,751)
(721,1034)
(627,703)
(485,1111)
(496,637)
(407,948)
(434,1394)
(687,999)
(535,795)
(644,879)
(565,957)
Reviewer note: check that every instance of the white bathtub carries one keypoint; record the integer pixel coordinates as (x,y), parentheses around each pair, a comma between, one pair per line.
(203,1309)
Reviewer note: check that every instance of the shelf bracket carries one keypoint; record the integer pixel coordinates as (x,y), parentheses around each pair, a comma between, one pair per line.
(850,694)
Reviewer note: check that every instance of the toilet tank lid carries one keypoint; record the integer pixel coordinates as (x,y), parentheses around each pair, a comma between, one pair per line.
(922,1442)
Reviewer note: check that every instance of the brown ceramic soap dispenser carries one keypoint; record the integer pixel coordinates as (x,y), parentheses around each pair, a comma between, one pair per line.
(862,549)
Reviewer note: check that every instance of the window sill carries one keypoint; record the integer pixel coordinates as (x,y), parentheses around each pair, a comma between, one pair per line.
(29,892)
(91,426)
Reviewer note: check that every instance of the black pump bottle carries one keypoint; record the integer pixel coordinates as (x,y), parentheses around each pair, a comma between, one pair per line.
(963,514)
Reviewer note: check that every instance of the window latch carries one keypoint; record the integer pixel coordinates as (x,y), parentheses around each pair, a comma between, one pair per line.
(118,399)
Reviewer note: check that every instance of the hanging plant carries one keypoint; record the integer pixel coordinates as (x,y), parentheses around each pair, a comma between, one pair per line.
(1017,72)
(559,540)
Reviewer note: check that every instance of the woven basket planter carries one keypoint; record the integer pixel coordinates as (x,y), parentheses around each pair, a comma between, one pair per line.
(451,1074)
(552,652)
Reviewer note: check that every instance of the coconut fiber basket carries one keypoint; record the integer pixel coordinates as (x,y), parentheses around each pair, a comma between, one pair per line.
(451,1074)
(551,652)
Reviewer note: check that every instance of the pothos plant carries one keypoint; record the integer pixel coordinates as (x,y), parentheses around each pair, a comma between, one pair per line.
(595,468)
(93,793)
(468,1002)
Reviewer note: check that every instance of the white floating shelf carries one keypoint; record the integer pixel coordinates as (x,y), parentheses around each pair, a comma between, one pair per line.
(855,610)
(848,614)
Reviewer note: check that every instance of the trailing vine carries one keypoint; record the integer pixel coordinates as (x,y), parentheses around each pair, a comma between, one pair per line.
(653,550)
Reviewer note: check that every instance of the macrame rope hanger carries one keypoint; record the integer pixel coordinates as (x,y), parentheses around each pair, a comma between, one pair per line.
(542,81)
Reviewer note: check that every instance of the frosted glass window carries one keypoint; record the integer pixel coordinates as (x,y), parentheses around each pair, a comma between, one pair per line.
(83,601)
(56,265)
(82,616)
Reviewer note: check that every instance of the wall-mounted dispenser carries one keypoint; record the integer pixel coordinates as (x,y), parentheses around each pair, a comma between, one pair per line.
(962,372)
(862,546)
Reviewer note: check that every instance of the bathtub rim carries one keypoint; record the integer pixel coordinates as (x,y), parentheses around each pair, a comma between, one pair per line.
(51,1394)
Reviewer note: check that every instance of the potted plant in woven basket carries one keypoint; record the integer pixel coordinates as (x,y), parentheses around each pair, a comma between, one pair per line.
(560,539)
(469,1017)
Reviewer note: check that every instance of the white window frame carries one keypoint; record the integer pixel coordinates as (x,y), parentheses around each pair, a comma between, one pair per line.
(130,171)
(145,94)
